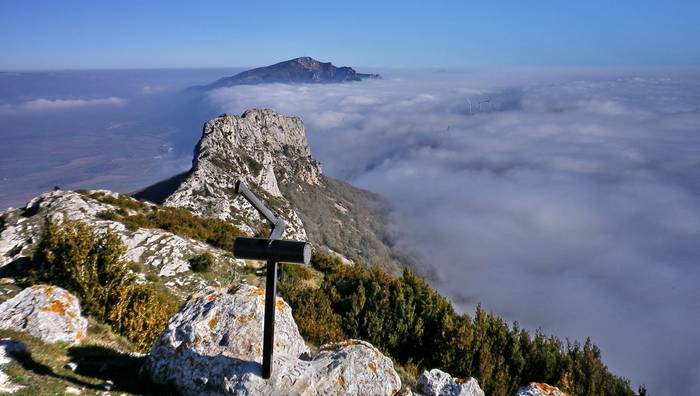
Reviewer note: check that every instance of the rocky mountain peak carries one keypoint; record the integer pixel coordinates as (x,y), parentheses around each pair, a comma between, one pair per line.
(270,152)
(298,70)
(262,134)
(261,147)
(308,62)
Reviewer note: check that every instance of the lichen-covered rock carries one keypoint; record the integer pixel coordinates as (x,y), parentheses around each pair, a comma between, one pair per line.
(540,389)
(8,350)
(439,383)
(214,346)
(351,367)
(47,312)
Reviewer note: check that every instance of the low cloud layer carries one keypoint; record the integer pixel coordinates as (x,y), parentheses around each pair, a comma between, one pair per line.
(568,202)
(41,104)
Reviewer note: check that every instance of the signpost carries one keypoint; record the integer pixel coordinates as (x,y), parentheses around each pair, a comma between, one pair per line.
(272,250)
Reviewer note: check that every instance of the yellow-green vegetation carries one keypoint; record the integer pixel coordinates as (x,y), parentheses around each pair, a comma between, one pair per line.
(411,322)
(137,214)
(202,262)
(408,372)
(89,264)
(316,319)
(43,369)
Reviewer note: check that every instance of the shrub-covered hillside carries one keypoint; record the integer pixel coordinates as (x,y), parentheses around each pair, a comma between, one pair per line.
(91,266)
(411,322)
(332,301)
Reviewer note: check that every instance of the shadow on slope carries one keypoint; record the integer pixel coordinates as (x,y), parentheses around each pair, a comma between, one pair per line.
(159,192)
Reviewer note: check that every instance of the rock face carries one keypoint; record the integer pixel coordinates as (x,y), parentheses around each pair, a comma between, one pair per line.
(162,252)
(260,147)
(214,346)
(47,312)
(8,350)
(540,389)
(298,70)
(438,383)
(270,152)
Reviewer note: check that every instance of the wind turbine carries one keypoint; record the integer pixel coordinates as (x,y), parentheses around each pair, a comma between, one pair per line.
(470,105)
(487,100)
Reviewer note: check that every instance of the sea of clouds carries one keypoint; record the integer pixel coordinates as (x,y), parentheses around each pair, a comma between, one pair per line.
(566,201)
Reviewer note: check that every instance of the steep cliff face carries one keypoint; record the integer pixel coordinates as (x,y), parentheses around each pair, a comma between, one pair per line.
(260,147)
(269,151)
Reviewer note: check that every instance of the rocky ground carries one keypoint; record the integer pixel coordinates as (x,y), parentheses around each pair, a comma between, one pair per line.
(211,346)
(163,255)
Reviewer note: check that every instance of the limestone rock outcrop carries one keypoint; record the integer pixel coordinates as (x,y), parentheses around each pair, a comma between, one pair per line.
(540,389)
(47,312)
(214,346)
(439,383)
(162,252)
(261,147)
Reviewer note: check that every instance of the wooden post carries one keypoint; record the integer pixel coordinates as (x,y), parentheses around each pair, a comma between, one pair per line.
(269,324)
(272,250)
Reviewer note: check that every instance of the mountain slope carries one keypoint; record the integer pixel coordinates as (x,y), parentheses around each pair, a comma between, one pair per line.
(401,315)
(298,70)
(270,152)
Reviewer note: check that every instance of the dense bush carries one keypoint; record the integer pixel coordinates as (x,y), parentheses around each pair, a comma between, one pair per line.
(201,262)
(315,317)
(215,232)
(410,321)
(136,214)
(90,265)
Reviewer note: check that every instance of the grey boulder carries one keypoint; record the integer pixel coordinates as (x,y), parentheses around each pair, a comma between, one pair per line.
(439,383)
(47,312)
(540,389)
(213,345)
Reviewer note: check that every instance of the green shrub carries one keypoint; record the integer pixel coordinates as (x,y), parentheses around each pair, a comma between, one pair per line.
(325,262)
(151,277)
(142,313)
(136,267)
(201,262)
(121,201)
(216,232)
(312,310)
(407,319)
(72,255)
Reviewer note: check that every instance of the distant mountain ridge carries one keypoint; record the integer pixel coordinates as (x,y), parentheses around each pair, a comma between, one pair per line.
(294,71)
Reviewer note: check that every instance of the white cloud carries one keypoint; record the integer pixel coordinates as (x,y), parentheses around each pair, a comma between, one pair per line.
(42,104)
(567,203)
(150,90)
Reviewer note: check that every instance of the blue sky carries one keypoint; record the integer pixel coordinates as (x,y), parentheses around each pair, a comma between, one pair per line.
(130,34)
